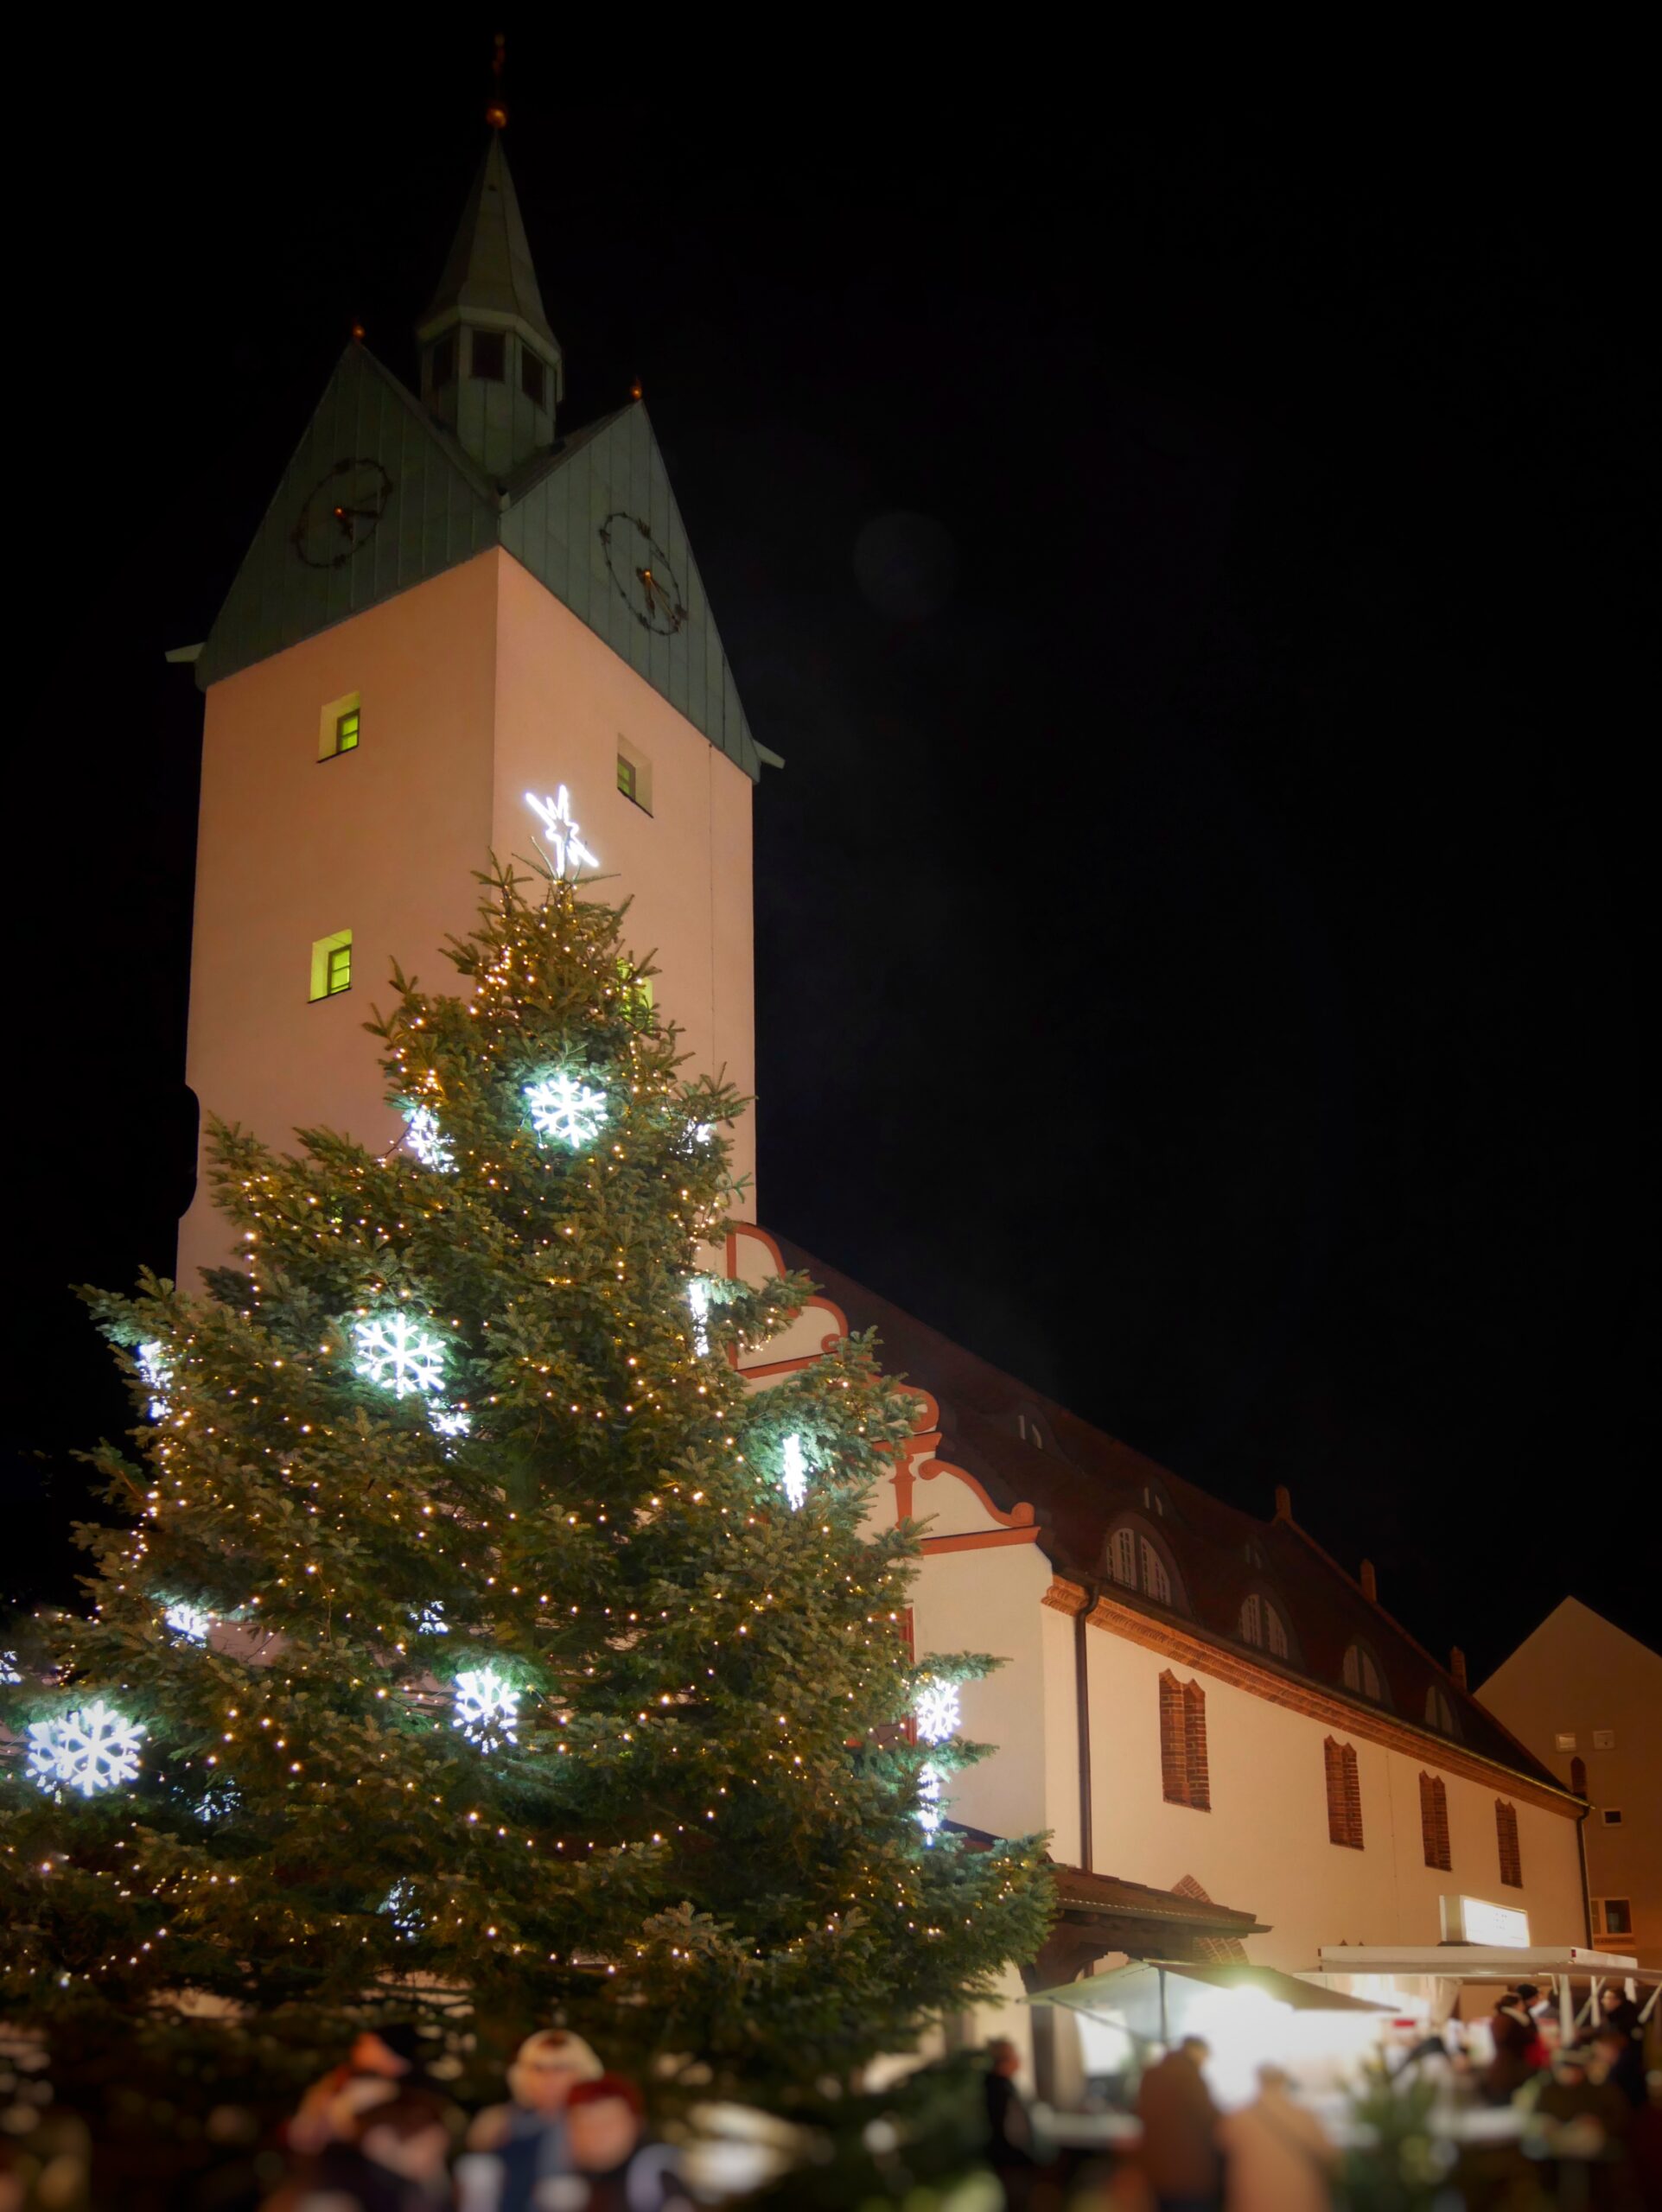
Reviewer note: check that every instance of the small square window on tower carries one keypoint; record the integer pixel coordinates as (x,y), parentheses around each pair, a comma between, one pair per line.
(332,965)
(533,377)
(338,726)
(635,775)
(489,354)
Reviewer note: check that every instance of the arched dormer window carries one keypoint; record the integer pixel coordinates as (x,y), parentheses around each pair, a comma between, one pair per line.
(1439,1713)
(1363,1675)
(1263,1624)
(1136,1562)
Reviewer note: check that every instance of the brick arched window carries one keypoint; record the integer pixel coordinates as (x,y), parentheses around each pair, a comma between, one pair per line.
(1434,1823)
(1344,1795)
(1506,1833)
(1184,1779)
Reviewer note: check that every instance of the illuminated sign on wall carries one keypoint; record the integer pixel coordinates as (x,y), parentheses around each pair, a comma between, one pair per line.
(1473,1919)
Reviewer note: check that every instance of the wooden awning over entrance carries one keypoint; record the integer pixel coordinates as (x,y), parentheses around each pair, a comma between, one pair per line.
(1100,1913)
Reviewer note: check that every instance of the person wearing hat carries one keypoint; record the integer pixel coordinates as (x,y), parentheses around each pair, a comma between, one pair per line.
(382,2060)
(515,2147)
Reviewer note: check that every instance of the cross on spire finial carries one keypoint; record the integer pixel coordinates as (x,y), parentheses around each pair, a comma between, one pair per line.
(496,108)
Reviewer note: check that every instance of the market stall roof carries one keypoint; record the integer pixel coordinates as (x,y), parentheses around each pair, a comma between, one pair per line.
(1482,1961)
(1126,1986)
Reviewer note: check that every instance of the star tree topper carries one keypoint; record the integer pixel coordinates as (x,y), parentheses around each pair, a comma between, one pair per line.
(555,814)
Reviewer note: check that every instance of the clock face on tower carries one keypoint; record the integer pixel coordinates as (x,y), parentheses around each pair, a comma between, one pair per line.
(641,571)
(339,513)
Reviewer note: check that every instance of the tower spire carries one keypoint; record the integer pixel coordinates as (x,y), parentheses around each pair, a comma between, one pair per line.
(491,366)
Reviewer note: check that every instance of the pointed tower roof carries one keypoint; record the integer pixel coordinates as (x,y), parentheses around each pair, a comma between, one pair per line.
(489,270)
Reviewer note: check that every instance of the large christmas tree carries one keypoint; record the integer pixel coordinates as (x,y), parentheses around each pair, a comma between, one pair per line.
(470,1627)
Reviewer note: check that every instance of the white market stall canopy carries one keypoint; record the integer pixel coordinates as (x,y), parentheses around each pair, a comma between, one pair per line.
(1496,1964)
(1483,1962)
(1153,1998)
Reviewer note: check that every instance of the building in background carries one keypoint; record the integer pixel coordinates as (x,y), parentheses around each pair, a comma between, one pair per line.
(1194,1701)
(1586,1698)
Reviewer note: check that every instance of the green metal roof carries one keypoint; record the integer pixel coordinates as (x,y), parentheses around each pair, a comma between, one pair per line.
(441,509)
(490,270)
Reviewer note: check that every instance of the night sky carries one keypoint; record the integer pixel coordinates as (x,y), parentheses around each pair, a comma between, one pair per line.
(1193,584)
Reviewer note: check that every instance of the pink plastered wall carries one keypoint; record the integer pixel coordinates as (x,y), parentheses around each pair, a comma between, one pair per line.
(475,687)
(563,700)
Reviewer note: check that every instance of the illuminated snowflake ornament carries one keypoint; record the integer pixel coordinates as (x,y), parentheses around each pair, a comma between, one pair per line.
(449,1421)
(219,1801)
(936,1711)
(427,1142)
(698,1299)
(564,1108)
(793,1479)
(485,1708)
(398,1354)
(430,1620)
(189,1623)
(157,1375)
(930,1779)
(555,814)
(9,1674)
(91,1749)
(399,1906)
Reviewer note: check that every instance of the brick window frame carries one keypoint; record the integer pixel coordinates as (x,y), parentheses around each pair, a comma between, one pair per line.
(1434,1823)
(1344,1795)
(1184,1777)
(1506,1836)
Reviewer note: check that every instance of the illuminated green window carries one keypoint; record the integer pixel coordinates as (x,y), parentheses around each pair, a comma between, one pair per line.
(339,725)
(635,775)
(332,965)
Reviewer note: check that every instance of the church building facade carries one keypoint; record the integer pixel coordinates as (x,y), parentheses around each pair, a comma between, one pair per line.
(462,627)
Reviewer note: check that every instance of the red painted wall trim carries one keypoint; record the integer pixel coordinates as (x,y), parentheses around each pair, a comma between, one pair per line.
(980,1540)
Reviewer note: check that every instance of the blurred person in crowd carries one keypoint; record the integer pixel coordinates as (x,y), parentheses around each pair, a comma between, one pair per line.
(1009,2129)
(1518,2051)
(1180,2125)
(386,2055)
(1535,2008)
(1622,2062)
(1587,2121)
(1277,2156)
(606,2137)
(388,2157)
(1617,2009)
(520,2144)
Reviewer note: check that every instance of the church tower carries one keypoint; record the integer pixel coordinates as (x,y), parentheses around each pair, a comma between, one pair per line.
(460,629)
